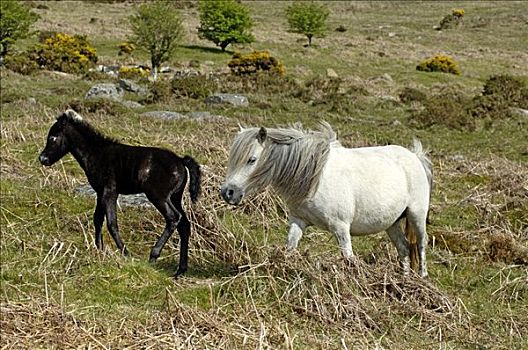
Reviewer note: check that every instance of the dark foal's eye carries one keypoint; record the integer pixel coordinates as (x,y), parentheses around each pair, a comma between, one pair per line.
(252,160)
(53,138)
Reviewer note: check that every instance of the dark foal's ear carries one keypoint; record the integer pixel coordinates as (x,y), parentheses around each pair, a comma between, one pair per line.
(261,137)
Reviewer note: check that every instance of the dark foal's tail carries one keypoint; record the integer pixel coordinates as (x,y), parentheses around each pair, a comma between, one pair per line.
(195,175)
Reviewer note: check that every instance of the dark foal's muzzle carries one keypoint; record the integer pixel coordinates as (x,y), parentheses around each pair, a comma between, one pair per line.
(44,160)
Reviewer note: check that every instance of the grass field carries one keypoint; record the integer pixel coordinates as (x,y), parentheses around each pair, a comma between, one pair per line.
(242,289)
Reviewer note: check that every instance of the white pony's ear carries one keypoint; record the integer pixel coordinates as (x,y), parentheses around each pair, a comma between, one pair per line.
(240,127)
(74,115)
(262,134)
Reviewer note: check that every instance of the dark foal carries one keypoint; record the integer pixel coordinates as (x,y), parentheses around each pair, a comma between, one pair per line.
(113,168)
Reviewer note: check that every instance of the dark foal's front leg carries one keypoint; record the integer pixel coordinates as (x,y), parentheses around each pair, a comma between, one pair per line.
(98,219)
(110,204)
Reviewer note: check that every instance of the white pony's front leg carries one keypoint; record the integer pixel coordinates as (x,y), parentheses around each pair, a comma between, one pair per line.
(295,231)
(342,233)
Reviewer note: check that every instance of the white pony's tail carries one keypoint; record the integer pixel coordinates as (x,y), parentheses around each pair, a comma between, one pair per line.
(426,162)
(410,231)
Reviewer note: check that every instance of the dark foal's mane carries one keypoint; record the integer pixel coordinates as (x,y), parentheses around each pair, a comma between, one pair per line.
(113,168)
(88,132)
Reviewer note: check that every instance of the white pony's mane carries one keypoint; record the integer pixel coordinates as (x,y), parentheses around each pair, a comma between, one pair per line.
(292,159)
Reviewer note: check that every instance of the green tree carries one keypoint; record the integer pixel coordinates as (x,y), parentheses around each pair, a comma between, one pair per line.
(224,23)
(156,27)
(15,20)
(308,19)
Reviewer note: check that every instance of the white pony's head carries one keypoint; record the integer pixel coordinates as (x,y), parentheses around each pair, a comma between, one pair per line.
(289,159)
(243,159)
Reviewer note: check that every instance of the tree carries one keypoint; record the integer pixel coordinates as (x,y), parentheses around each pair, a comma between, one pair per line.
(15,20)
(308,19)
(156,27)
(224,23)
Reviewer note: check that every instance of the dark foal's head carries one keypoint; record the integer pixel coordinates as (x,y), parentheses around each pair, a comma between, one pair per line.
(57,145)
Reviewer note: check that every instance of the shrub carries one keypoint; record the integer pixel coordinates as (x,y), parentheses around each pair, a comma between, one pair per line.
(499,95)
(447,108)
(156,27)
(15,21)
(65,53)
(126,48)
(452,20)
(338,95)
(225,22)
(196,87)
(255,61)
(308,19)
(409,94)
(133,72)
(21,63)
(159,91)
(439,63)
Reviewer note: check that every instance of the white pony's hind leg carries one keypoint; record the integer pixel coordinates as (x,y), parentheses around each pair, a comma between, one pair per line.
(397,237)
(295,232)
(419,223)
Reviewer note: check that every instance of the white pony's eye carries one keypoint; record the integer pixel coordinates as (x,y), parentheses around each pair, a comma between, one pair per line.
(252,160)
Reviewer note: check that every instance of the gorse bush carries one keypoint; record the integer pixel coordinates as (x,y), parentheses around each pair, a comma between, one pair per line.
(452,20)
(65,53)
(126,48)
(15,21)
(458,12)
(133,72)
(439,63)
(255,61)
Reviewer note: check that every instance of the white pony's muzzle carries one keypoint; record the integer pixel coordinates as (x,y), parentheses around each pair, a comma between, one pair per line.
(232,194)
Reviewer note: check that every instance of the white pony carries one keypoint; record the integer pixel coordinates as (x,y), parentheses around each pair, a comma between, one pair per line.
(347,191)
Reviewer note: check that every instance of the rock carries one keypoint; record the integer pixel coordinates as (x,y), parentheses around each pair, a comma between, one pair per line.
(383,78)
(129,85)
(330,73)
(520,111)
(32,101)
(136,200)
(197,116)
(186,72)
(105,90)
(166,115)
(205,116)
(232,99)
(131,104)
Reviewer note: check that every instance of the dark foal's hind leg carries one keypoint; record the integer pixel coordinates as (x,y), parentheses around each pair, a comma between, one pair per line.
(110,201)
(184,230)
(172,216)
(98,219)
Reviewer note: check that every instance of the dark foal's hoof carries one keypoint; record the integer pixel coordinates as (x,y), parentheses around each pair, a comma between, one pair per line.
(152,260)
(179,273)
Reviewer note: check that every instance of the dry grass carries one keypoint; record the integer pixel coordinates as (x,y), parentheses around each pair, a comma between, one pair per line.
(243,290)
